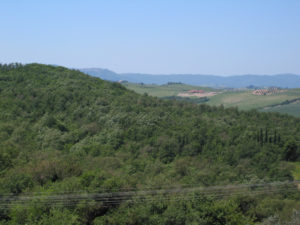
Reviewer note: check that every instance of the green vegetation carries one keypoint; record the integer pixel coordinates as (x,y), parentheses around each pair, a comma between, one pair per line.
(64,132)
(296,171)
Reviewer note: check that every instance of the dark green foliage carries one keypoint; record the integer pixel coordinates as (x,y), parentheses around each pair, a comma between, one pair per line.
(63,131)
(187,99)
(291,151)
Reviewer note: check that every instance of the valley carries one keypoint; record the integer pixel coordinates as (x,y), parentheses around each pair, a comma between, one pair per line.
(244,99)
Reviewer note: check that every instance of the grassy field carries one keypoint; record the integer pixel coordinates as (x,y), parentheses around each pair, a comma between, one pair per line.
(243,99)
(292,109)
(160,91)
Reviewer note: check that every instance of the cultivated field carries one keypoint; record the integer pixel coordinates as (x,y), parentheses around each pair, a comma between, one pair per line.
(292,109)
(172,89)
(244,99)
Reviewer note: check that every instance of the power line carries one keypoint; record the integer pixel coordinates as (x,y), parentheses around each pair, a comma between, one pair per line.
(135,201)
(146,195)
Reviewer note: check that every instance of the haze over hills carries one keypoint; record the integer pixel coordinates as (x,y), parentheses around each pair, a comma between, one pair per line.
(237,81)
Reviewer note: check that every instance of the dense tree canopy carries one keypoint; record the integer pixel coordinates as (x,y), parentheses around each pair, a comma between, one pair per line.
(64,131)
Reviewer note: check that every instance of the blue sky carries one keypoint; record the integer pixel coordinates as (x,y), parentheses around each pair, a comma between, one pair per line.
(223,37)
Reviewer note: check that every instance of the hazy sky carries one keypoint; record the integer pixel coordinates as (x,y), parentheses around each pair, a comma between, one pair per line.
(164,36)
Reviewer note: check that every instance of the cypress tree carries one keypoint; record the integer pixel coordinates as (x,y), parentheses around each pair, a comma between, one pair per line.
(266,135)
(261,137)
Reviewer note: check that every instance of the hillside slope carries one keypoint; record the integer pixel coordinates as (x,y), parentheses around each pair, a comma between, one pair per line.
(62,131)
(291,107)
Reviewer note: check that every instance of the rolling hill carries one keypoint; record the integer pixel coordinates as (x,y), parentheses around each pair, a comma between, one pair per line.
(76,149)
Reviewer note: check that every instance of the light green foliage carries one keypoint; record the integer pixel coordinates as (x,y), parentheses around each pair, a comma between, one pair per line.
(36,216)
(296,170)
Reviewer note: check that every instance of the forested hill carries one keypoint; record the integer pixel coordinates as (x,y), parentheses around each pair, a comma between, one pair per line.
(62,131)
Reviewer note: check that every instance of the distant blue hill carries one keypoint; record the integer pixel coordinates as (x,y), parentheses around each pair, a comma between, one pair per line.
(280,80)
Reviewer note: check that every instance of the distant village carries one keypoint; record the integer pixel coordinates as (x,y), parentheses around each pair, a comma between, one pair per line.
(197,93)
(269,91)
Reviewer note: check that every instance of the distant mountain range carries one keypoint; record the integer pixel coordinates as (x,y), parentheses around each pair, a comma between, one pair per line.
(240,81)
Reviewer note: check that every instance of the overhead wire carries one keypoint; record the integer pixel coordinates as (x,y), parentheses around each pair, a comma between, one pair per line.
(113,198)
(135,201)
